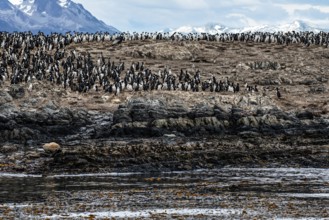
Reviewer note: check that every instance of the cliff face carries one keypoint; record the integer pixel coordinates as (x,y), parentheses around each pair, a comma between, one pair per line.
(156,133)
(155,117)
(50,122)
(142,117)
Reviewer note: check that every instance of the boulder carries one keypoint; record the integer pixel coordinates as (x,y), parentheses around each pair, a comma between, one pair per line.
(8,149)
(17,92)
(51,148)
(305,115)
(5,97)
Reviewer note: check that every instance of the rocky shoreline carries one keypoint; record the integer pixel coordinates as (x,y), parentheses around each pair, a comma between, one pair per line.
(156,133)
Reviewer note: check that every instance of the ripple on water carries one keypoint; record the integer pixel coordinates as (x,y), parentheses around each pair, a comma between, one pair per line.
(306,195)
(151,212)
(15,175)
(224,193)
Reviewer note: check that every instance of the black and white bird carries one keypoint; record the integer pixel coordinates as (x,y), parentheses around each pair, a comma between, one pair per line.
(117,40)
(278,93)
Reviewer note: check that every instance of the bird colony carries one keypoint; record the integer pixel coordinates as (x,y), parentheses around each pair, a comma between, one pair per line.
(27,57)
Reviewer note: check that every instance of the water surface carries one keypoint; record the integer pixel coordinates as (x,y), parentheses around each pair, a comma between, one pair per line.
(230,193)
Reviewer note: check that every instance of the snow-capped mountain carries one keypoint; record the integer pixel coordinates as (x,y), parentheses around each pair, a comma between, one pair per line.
(208,28)
(11,18)
(213,28)
(298,26)
(48,16)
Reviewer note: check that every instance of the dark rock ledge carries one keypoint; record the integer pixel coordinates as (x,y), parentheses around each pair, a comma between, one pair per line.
(157,135)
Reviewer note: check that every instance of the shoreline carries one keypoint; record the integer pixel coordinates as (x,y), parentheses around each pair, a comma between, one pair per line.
(167,154)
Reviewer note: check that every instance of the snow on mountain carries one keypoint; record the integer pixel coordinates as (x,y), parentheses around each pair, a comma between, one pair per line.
(298,26)
(64,3)
(212,28)
(209,28)
(49,16)
(11,18)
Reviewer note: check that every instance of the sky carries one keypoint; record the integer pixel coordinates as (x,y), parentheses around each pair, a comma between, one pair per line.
(156,15)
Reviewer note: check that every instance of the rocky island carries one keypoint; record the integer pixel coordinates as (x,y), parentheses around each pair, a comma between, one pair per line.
(118,127)
(163,130)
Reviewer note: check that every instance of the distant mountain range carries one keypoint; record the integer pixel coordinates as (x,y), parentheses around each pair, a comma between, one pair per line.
(65,15)
(214,28)
(48,16)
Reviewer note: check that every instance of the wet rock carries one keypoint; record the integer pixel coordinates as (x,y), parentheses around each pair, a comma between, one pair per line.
(237,113)
(4,118)
(17,92)
(140,113)
(49,122)
(169,135)
(208,122)
(5,97)
(177,110)
(15,134)
(249,121)
(249,134)
(305,115)
(160,123)
(122,115)
(74,140)
(253,121)
(8,149)
(33,155)
(81,162)
(51,105)
(176,124)
(63,113)
(201,111)
(269,120)
(203,119)
(221,113)
(116,153)
(187,167)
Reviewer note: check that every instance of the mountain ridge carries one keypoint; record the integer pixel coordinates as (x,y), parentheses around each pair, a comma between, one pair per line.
(49,16)
(217,28)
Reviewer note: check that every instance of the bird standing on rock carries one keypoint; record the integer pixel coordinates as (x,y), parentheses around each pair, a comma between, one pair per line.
(117,40)
(278,94)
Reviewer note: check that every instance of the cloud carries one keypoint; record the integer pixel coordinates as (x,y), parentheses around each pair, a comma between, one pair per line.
(260,14)
(291,8)
(312,13)
(147,15)
(301,2)
(316,14)
(192,4)
(239,20)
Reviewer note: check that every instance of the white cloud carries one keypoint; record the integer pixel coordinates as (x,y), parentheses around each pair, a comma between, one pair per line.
(156,15)
(291,8)
(243,20)
(192,4)
(153,15)
(315,15)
